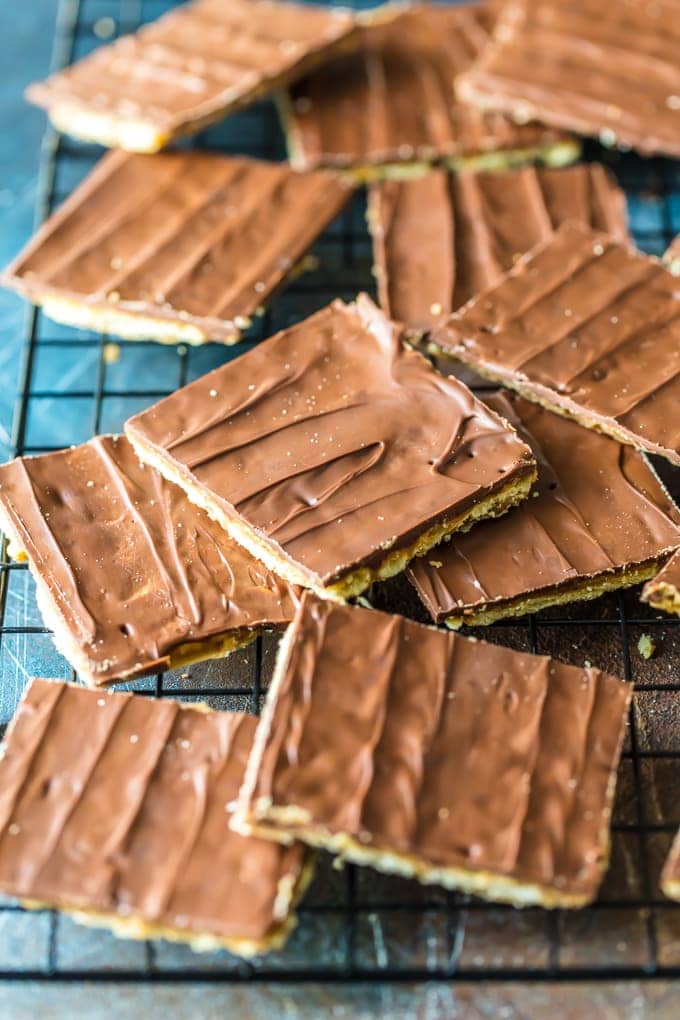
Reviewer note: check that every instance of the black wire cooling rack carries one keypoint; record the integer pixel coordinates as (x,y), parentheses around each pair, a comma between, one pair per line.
(355,924)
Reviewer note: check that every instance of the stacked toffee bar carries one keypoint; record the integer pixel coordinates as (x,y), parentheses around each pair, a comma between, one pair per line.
(334,456)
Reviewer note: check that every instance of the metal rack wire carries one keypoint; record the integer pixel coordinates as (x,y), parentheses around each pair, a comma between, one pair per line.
(354,925)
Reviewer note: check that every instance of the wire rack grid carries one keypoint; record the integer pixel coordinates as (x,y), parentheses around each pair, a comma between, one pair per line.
(354,925)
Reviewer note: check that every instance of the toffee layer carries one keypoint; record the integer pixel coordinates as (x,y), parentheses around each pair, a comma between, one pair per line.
(391,101)
(130,575)
(615,77)
(597,519)
(178,246)
(333,452)
(188,69)
(127,827)
(440,239)
(587,327)
(420,752)
(663,592)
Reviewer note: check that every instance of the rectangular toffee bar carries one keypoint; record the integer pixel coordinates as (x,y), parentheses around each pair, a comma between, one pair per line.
(588,328)
(178,246)
(597,519)
(441,238)
(390,104)
(334,453)
(189,69)
(127,826)
(131,576)
(420,752)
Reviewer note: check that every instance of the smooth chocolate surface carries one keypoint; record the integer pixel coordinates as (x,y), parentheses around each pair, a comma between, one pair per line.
(610,73)
(392,100)
(128,570)
(118,805)
(597,509)
(415,746)
(441,238)
(331,442)
(194,240)
(664,591)
(586,326)
(188,68)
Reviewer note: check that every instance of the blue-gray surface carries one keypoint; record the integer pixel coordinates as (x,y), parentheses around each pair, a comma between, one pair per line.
(26,31)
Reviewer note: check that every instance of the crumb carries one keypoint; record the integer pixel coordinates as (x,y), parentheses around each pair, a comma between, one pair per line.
(435,563)
(646,646)
(111,353)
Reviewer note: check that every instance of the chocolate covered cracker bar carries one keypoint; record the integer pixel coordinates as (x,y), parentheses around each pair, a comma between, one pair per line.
(189,69)
(663,592)
(131,576)
(441,238)
(588,328)
(597,519)
(389,107)
(181,246)
(612,74)
(114,808)
(333,453)
(424,753)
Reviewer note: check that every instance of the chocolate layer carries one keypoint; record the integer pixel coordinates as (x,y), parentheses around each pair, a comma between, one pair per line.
(177,246)
(441,238)
(131,576)
(664,591)
(670,876)
(421,752)
(598,518)
(117,807)
(187,69)
(392,100)
(587,327)
(613,74)
(331,446)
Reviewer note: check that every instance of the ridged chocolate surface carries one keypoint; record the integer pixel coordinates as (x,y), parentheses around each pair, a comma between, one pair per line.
(596,508)
(188,237)
(458,753)
(588,326)
(441,238)
(119,804)
(132,568)
(392,100)
(195,63)
(332,441)
(611,73)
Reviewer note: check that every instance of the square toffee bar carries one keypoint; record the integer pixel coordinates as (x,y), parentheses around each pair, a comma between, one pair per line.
(598,519)
(115,810)
(130,576)
(334,453)
(423,753)
(587,327)
(180,246)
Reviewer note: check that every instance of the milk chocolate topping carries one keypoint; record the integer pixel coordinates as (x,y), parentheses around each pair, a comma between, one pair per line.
(392,100)
(119,804)
(440,239)
(611,73)
(596,508)
(195,63)
(179,236)
(588,327)
(454,752)
(332,441)
(131,567)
